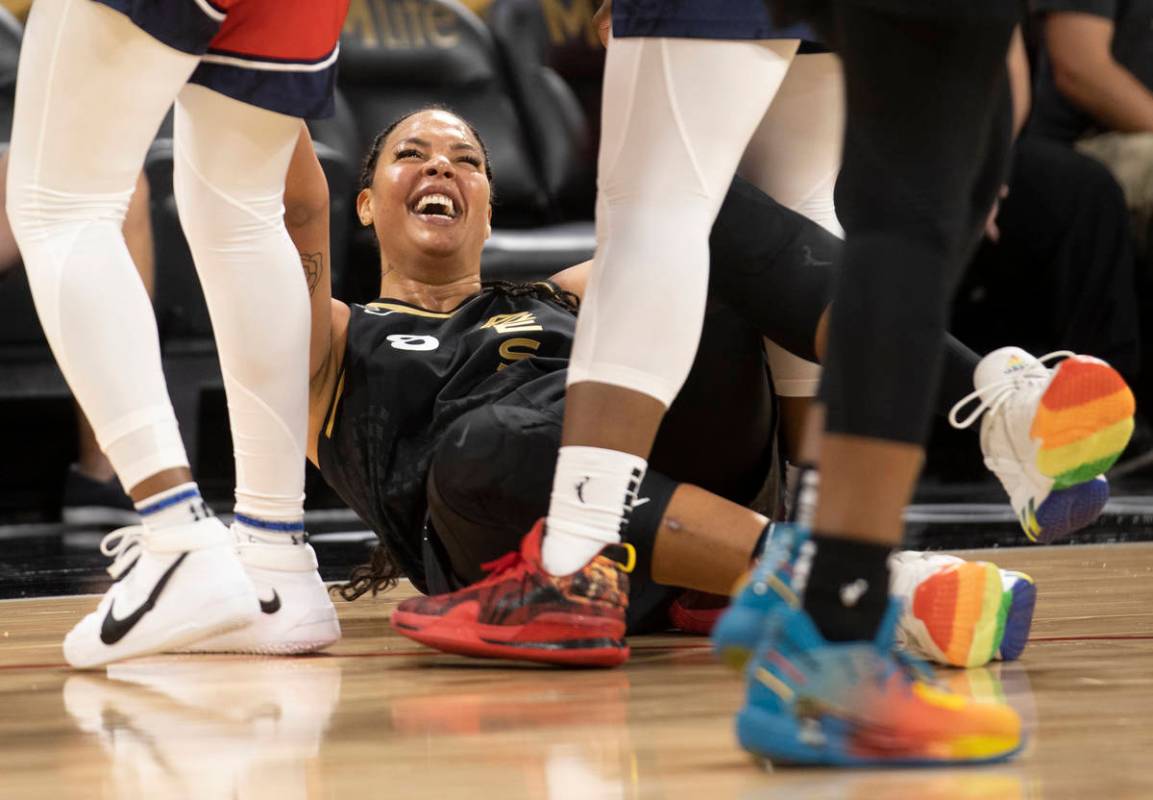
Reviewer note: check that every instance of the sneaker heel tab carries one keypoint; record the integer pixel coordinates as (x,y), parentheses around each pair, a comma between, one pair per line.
(623,554)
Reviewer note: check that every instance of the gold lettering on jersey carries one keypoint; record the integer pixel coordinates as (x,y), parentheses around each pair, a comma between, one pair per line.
(569,19)
(520,322)
(517,350)
(401,24)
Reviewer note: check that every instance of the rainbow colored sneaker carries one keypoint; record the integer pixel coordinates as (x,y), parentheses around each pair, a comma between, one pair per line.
(1049,433)
(816,702)
(954,609)
(961,613)
(768,586)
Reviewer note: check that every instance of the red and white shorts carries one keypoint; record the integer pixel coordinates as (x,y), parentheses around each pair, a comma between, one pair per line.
(275,54)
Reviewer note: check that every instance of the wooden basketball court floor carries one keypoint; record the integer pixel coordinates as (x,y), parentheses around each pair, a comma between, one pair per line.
(382,717)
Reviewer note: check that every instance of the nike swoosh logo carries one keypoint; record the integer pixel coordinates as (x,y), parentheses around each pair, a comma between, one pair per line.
(131,567)
(271,606)
(640,501)
(113,630)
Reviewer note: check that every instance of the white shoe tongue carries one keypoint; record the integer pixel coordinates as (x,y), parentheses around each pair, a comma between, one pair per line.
(1000,364)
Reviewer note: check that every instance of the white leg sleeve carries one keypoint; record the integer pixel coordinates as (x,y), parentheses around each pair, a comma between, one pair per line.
(678,114)
(91,92)
(794,157)
(231,162)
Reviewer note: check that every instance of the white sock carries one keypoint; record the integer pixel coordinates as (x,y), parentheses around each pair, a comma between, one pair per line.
(268,522)
(592,495)
(179,505)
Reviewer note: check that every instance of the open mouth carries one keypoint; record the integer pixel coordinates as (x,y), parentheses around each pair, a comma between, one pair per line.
(436,207)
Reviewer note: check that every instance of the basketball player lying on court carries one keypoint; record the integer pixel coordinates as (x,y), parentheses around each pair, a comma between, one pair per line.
(435,411)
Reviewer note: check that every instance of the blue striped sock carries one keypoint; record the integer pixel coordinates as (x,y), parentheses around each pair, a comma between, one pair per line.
(255,528)
(180,505)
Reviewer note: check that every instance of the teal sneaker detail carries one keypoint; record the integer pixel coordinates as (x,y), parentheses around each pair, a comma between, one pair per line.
(769,585)
(815,702)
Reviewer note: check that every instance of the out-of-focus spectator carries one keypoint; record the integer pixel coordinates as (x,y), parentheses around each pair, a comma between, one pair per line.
(1057,270)
(1095,90)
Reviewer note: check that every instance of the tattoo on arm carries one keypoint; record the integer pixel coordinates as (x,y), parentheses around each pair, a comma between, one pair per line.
(313,264)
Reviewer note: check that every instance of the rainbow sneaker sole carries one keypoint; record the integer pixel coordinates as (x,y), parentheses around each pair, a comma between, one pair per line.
(958,614)
(1066,511)
(1083,421)
(1020,603)
(815,702)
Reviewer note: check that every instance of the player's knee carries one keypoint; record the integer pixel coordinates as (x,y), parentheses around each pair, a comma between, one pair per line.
(494,455)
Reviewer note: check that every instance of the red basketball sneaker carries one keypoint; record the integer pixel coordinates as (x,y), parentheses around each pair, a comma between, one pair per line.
(697,612)
(521,612)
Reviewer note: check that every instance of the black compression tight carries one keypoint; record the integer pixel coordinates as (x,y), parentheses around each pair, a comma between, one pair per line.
(926,147)
(778,270)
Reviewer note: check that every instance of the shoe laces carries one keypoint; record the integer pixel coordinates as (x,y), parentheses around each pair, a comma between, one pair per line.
(512,560)
(120,546)
(994,395)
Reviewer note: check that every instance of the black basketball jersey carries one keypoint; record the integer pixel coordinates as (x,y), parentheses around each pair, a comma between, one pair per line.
(408,373)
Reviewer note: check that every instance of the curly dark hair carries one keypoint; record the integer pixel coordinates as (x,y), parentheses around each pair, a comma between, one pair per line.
(382,572)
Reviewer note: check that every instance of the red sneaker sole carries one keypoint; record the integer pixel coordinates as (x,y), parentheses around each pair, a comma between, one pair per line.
(548,639)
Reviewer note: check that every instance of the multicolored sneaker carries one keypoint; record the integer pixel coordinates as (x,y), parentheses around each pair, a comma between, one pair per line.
(816,702)
(768,586)
(1048,434)
(521,612)
(961,613)
(697,612)
(955,610)
(1021,598)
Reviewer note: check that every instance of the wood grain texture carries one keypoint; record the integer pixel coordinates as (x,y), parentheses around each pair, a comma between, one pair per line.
(382,717)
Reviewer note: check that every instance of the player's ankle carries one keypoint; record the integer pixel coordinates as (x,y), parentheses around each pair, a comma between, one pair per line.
(180,505)
(263,528)
(592,498)
(847,587)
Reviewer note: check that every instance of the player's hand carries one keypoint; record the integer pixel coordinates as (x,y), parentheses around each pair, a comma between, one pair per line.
(992,232)
(603,21)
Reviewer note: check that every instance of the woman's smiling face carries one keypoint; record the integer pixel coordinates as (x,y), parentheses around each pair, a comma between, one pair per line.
(430,194)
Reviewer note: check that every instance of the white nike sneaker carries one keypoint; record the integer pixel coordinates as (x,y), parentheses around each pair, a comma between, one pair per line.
(173,587)
(954,609)
(297,615)
(1049,433)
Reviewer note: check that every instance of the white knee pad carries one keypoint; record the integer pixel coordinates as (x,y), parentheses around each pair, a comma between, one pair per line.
(663,169)
(655,295)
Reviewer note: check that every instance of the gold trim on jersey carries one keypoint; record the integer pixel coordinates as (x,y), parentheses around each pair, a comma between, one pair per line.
(335,403)
(416,312)
(517,322)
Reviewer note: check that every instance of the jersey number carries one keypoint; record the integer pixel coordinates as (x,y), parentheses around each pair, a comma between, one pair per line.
(406,341)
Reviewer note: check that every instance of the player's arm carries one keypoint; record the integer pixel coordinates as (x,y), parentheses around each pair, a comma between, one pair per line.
(1085,72)
(306,217)
(574,279)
